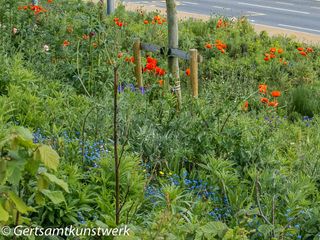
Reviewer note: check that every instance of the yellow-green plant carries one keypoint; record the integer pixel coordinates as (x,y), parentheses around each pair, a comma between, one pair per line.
(25,176)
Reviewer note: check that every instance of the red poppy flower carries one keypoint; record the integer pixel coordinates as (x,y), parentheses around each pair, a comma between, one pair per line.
(120,24)
(264,100)
(300,48)
(266,59)
(146,22)
(280,50)
(188,71)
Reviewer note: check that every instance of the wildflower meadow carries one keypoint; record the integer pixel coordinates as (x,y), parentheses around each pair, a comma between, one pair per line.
(83,144)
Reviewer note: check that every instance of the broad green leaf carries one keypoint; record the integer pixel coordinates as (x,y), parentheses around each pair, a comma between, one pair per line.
(14,171)
(48,156)
(42,182)
(52,178)
(24,133)
(22,136)
(4,215)
(212,229)
(55,196)
(20,205)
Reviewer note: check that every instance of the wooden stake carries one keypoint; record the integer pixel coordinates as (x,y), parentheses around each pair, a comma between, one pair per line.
(110,6)
(173,40)
(194,72)
(115,142)
(137,62)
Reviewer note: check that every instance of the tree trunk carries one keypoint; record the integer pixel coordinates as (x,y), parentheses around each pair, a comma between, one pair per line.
(173,41)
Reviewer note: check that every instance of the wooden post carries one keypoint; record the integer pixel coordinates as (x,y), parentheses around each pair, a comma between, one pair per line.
(173,41)
(137,62)
(194,72)
(110,6)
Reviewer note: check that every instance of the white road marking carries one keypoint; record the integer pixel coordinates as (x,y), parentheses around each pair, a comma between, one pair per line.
(275,8)
(254,14)
(190,3)
(219,7)
(300,28)
(284,3)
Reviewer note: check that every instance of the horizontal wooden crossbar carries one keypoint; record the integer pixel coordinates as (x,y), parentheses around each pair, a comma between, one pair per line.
(171,52)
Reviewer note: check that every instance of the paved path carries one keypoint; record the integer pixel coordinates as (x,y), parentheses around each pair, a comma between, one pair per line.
(298,15)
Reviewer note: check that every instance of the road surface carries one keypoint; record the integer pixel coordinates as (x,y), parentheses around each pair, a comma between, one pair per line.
(298,15)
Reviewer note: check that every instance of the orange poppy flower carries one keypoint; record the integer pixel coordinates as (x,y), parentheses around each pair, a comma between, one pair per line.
(303,53)
(245,106)
(69,29)
(66,43)
(276,94)
(264,100)
(280,50)
(129,59)
(161,82)
(188,71)
(266,59)
(222,51)
(85,37)
(208,46)
(263,88)
(300,48)
(272,56)
(157,18)
(146,22)
(309,50)
(273,50)
(273,104)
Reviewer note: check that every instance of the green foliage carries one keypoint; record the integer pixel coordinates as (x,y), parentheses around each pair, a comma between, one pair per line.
(305,101)
(23,162)
(213,170)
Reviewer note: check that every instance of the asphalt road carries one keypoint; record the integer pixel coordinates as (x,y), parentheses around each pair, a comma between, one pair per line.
(298,15)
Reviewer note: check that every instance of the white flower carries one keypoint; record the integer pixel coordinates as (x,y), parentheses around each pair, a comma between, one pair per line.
(46,48)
